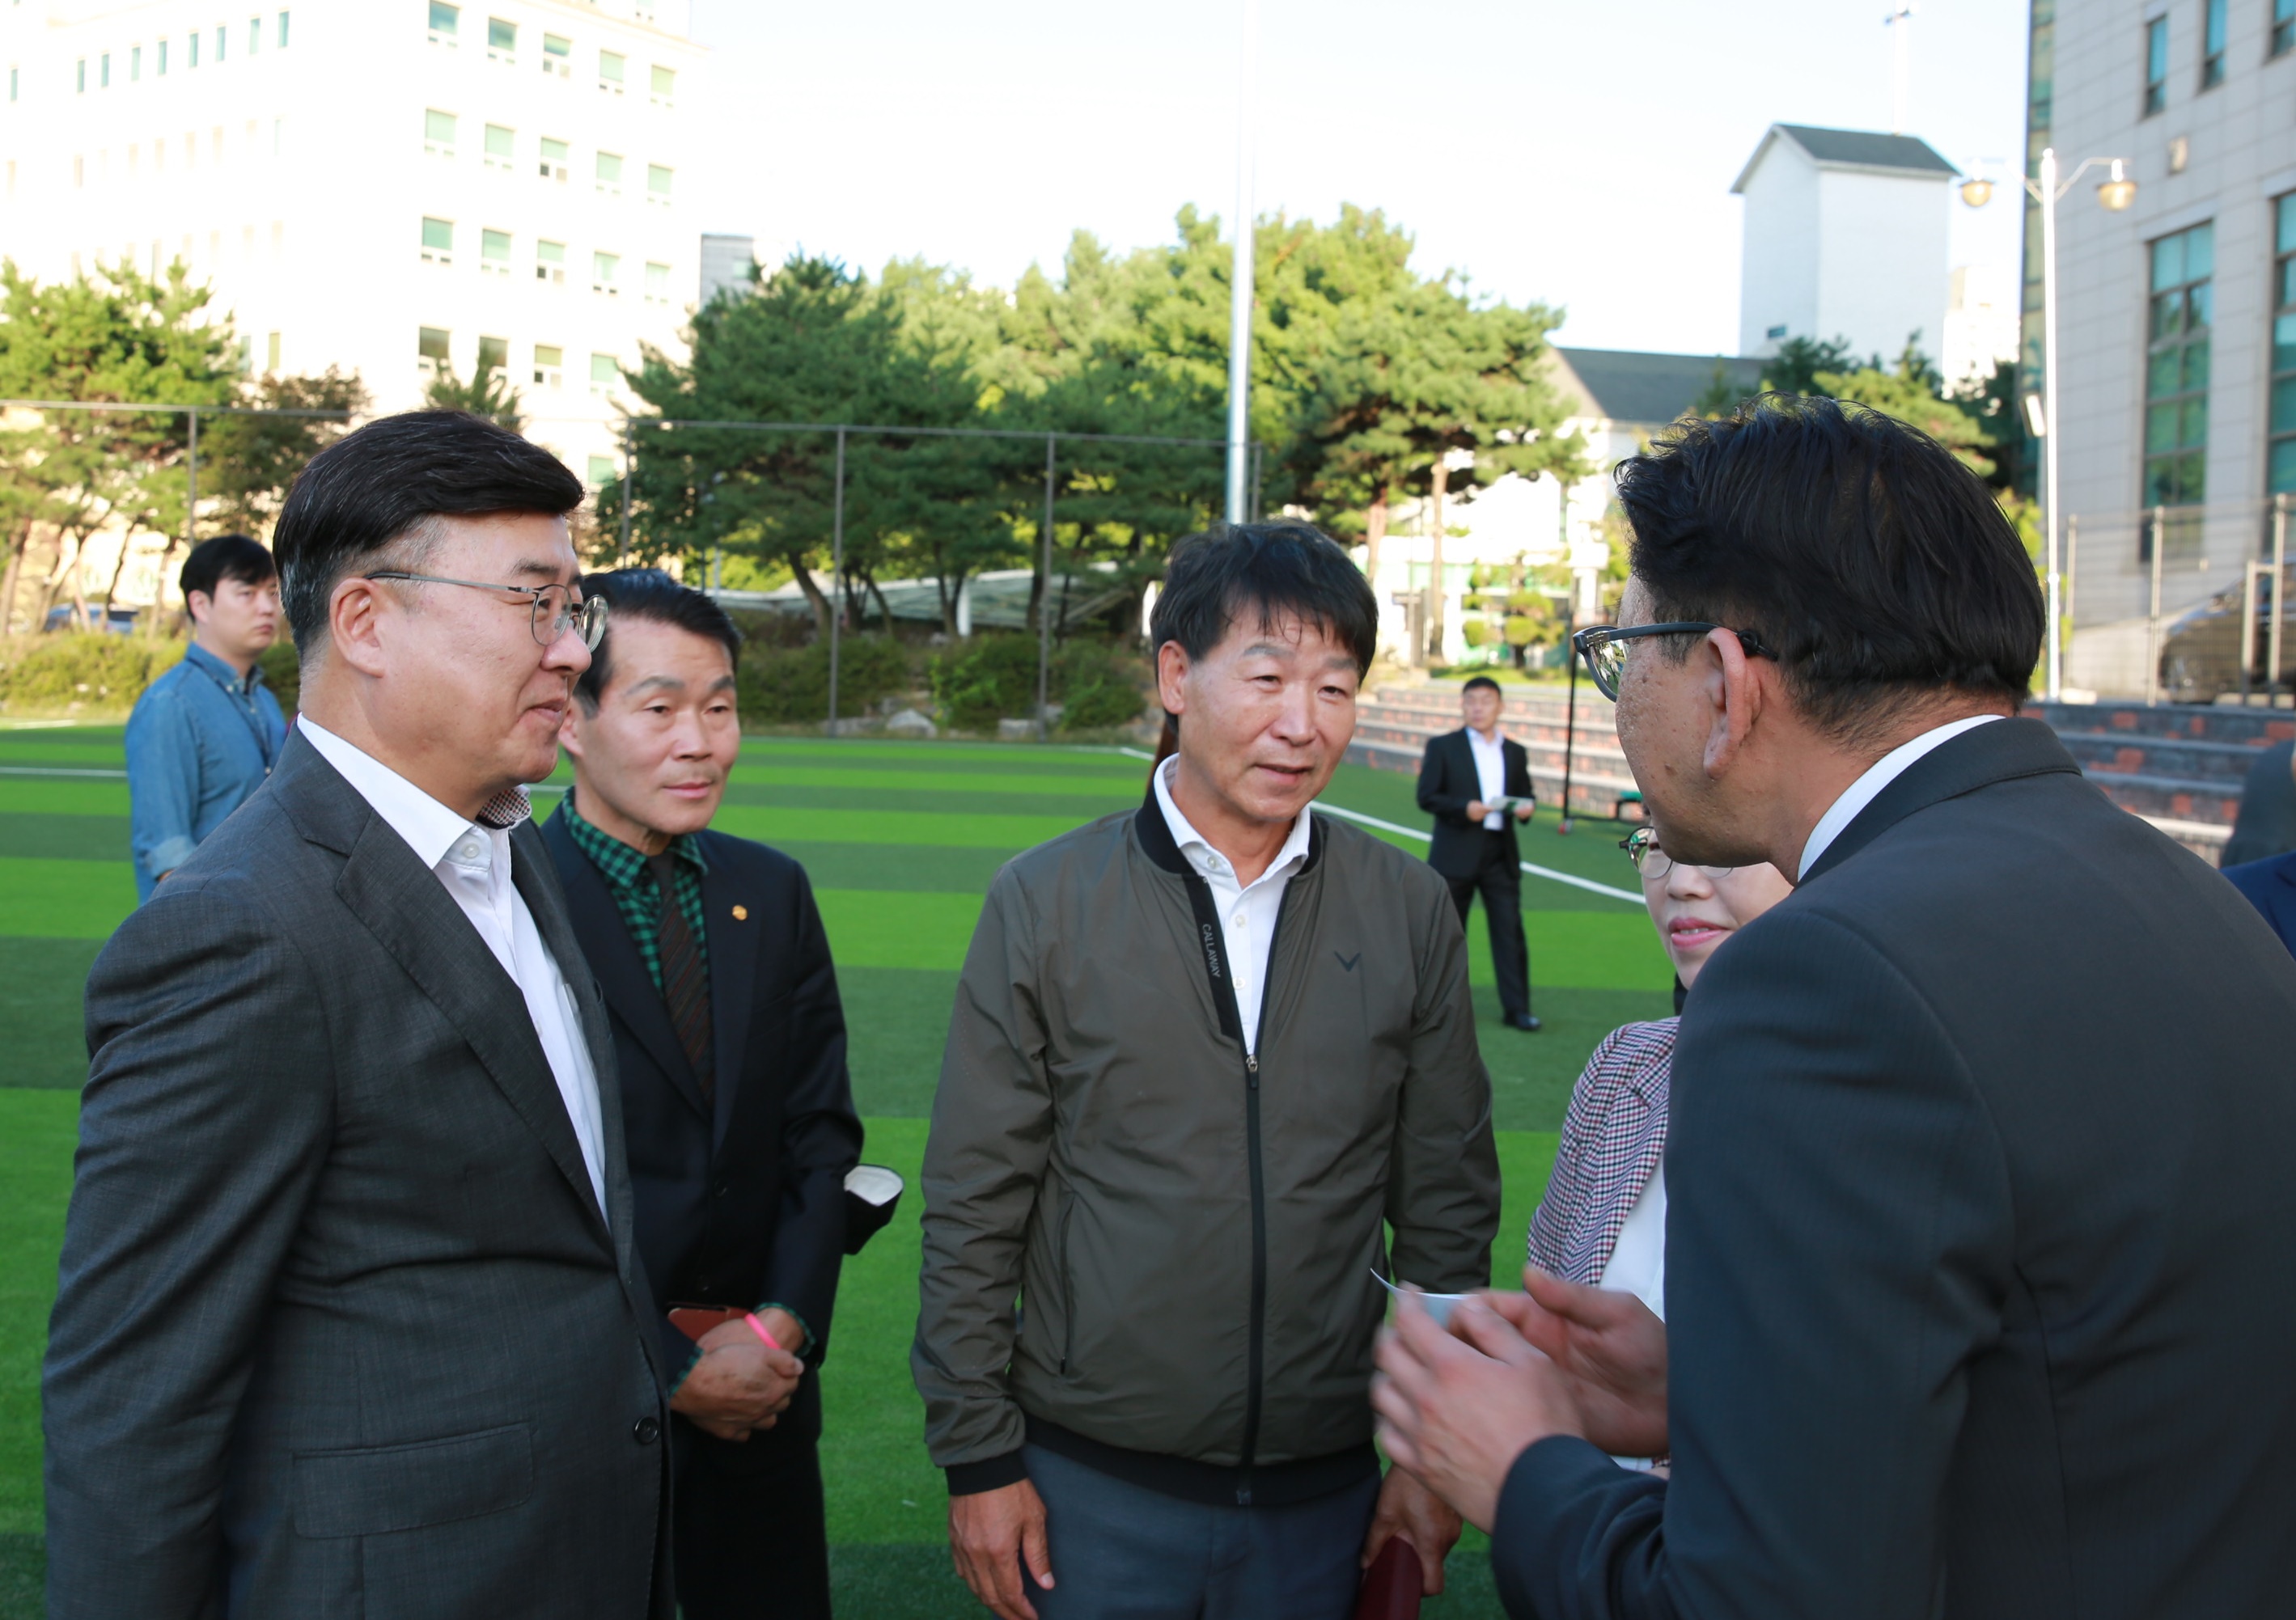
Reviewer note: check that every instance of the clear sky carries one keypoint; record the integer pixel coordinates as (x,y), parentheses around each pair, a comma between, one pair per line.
(1580,154)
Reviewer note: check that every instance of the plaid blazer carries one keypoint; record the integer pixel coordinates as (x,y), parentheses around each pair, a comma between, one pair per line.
(1611,1138)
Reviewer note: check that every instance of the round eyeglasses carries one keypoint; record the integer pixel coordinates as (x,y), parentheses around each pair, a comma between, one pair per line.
(1642,848)
(1604,647)
(557,608)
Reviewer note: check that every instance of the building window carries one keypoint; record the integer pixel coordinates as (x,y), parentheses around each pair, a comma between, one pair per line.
(493,354)
(283,30)
(2212,43)
(603,267)
(656,184)
(80,85)
(601,467)
(2156,65)
(558,56)
(665,85)
(493,254)
(609,173)
(656,283)
(438,133)
(605,373)
(2283,27)
(246,355)
(194,42)
(502,41)
(254,35)
(159,67)
(270,346)
(610,70)
(437,241)
(550,262)
(549,365)
(2281,462)
(223,39)
(104,71)
(134,63)
(2177,372)
(500,144)
(431,349)
(446,22)
(13,74)
(555,165)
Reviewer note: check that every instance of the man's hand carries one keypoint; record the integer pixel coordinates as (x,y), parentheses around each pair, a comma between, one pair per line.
(788,1332)
(989,1534)
(1522,813)
(1477,809)
(1458,1410)
(1409,1510)
(1611,1351)
(739,1385)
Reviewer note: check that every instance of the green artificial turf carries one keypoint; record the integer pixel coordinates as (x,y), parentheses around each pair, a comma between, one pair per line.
(901,840)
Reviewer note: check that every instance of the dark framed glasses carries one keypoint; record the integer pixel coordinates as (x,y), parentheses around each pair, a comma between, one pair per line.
(1604,647)
(1642,848)
(556,607)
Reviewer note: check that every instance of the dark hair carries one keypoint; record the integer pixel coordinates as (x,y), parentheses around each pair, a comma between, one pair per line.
(1476,682)
(224,557)
(378,485)
(1265,570)
(652,595)
(1879,568)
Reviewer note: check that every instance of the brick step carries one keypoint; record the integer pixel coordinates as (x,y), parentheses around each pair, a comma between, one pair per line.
(2170,798)
(2189,722)
(2217,765)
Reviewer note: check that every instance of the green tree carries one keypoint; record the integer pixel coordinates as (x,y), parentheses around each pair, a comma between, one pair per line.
(489,393)
(1794,369)
(246,461)
(1909,395)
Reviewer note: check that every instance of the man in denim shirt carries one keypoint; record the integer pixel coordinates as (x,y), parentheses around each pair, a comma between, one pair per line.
(204,735)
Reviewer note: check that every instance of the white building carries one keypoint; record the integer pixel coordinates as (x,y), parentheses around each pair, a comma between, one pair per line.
(1845,237)
(387,187)
(2177,317)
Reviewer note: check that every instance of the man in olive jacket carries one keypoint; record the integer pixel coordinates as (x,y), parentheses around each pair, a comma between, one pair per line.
(1204,1056)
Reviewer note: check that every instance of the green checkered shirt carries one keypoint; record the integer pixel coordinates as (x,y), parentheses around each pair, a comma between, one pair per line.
(635,894)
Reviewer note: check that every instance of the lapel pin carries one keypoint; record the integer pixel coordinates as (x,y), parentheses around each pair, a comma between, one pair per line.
(741,913)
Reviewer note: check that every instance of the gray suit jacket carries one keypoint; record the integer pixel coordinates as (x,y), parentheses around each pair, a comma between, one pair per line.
(341,1331)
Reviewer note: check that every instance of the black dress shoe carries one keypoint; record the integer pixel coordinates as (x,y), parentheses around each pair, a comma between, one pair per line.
(1520,1020)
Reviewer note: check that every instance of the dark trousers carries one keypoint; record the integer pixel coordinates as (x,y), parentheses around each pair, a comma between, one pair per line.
(1122,1552)
(1499,881)
(750,1532)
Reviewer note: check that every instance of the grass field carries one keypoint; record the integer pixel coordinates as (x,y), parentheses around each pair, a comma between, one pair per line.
(901,839)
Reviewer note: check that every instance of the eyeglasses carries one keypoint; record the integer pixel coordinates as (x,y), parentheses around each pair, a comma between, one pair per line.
(557,608)
(1642,848)
(1604,647)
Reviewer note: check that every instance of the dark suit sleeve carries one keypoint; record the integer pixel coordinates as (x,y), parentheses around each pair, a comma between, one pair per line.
(203,1129)
(1838,1250)
(821,1134)
(1434,795)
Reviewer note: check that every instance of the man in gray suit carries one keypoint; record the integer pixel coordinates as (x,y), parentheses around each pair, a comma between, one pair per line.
(350,1320)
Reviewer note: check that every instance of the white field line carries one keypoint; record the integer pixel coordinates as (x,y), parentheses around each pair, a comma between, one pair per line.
(1548,873)
(59,771)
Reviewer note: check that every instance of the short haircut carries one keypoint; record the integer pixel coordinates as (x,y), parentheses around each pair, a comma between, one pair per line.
(650,595)
(375,488)
(1483,682)
(226,557)
(1263,570)
(1879,568)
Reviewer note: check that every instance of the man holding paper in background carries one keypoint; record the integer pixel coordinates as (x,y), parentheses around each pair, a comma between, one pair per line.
(1477,786)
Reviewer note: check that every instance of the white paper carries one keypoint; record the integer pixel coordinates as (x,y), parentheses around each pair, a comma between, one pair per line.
(1439,1305)
(874,1184)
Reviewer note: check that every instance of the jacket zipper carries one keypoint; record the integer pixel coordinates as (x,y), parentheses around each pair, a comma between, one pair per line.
(1257,1357)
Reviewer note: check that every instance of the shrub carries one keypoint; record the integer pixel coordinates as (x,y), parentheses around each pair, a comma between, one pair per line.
(784,685)
(1475,632)
(994,677)
(1521,630)
(282,672)
(81,669)
(1099,687)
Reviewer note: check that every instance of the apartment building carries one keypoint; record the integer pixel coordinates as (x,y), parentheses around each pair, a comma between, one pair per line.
(388,186)
(2177,317)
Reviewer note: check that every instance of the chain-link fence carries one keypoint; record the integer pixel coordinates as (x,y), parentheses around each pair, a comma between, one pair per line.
(2181,604)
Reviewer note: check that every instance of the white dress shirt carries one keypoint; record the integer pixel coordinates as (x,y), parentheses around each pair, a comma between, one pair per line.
(1879,776)
(1490,773)
(474,864)
(1247,911)
(1637,1264)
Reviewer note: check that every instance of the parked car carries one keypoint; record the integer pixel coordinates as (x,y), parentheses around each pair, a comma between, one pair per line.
(2200,647)
(118,621)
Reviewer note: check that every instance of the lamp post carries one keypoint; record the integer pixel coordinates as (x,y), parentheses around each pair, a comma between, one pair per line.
(2113,195)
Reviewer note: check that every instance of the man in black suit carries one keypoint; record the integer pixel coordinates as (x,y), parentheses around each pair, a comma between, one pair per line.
(1980,1292)
(731,1043)
(349,1320)
(1464,779)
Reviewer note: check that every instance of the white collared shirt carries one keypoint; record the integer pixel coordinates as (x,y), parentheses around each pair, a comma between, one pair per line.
(474,864)
(1879,776)
(1490,773)
(1247,911)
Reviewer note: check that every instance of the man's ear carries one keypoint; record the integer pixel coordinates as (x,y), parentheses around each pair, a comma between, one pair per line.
(1734,689)
(570,736)
(191,602)
(357,613)
(1171,675)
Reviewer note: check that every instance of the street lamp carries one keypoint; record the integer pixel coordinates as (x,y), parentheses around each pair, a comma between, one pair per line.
(2113,195)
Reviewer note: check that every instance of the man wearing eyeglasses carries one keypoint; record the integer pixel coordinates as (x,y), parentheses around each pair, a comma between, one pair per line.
(349,1316)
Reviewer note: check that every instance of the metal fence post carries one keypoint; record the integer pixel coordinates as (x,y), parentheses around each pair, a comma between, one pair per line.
(2248,570)
(2152,616)
(2066,614)
(191,491)
(836,573)
(2279,592)
(1045,604)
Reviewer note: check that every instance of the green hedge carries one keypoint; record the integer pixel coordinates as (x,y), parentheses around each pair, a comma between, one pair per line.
(790,685)
(81,670)
(995,678)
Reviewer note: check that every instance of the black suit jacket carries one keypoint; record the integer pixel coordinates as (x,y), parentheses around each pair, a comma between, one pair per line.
(341,1328)
(1448,783)
(1980,1279)
(2270,886)
(744,1203)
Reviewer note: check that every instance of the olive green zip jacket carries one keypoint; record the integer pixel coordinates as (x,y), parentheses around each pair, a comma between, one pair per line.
(1137,1236)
